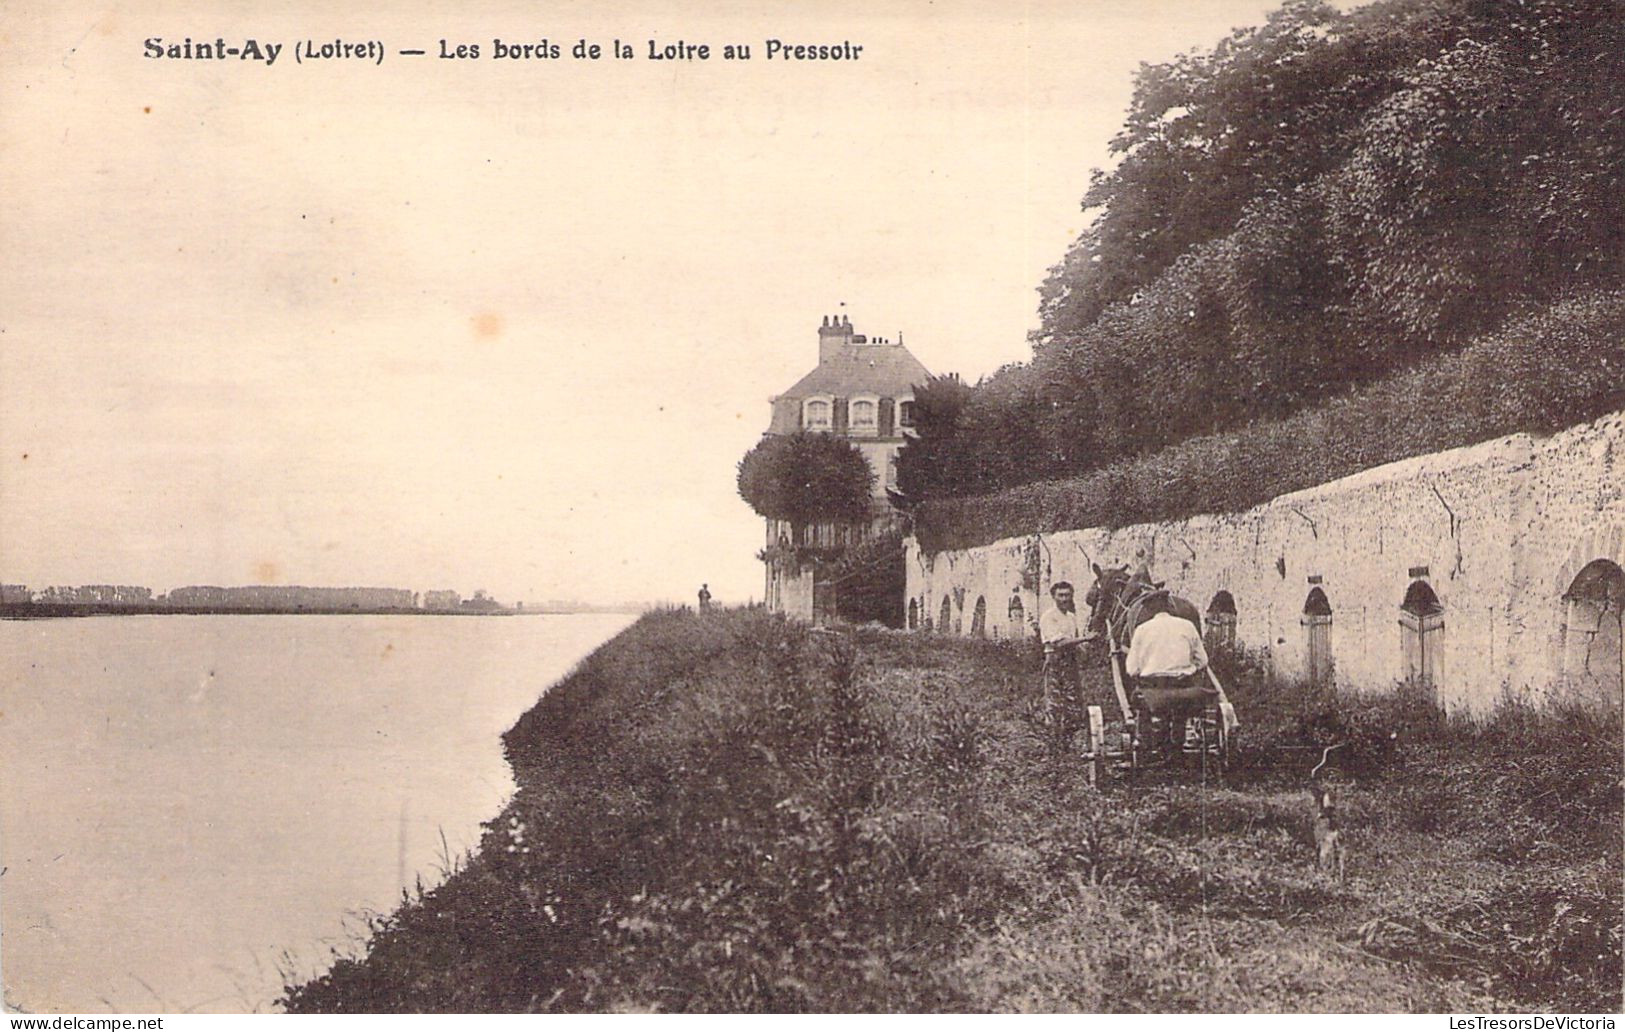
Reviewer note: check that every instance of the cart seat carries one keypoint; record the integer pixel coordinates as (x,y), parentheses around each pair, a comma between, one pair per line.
(1173,698)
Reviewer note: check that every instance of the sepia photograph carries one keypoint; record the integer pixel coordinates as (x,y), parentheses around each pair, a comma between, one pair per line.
(905,507)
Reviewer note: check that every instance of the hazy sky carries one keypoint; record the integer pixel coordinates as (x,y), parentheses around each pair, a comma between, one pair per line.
(501,324)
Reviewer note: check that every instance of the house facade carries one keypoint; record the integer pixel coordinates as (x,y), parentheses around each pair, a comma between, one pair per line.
(862,390)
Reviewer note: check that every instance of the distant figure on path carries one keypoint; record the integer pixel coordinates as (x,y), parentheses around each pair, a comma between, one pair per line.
(1062,631)
(705,597)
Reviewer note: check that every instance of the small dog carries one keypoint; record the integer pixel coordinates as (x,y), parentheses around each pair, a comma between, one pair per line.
(1329,845)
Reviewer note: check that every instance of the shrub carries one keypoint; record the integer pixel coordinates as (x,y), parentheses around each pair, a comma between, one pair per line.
(1537,374)
(870,581)
(806,477)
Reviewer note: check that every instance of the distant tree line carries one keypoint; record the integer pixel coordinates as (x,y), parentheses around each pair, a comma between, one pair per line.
(252,596)
(1322,201)
(82,594)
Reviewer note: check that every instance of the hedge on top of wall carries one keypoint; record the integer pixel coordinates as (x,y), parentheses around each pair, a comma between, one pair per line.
(1539,373)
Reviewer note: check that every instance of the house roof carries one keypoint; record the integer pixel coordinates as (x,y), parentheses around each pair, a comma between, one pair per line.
(884,369)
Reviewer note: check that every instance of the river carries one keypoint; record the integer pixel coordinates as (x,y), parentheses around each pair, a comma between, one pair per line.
(192,807)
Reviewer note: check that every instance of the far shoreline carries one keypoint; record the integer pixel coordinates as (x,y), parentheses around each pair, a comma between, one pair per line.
(51,611)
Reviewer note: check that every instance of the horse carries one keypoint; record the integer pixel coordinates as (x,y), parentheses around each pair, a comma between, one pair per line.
(1118,599)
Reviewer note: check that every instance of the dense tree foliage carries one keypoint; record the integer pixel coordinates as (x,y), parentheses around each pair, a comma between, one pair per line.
(935,457)
(1316,202)
(806,478)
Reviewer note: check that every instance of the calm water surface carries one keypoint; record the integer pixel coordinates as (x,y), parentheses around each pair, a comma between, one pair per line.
(191,805)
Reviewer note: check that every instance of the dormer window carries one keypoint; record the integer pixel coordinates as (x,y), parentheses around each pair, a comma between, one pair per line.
(905,414)
(863,416)
(817,414)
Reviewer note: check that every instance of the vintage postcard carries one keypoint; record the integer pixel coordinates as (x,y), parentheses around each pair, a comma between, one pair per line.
(864,507)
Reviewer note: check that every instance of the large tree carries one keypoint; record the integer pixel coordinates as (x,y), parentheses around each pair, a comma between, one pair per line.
(806,478)
(1454,145)
(1316,202)
(931,463)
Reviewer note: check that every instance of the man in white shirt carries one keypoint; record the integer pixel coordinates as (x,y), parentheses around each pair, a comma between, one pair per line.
(1165,660)
(1060,625)
(1166,647)
(1063,631)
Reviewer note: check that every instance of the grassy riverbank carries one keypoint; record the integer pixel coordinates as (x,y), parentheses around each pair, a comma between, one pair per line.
(734,813)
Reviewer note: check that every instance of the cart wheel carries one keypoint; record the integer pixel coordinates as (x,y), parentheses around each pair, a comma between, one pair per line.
(1096,754)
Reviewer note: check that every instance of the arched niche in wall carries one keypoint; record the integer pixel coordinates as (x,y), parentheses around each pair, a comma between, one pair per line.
(1421,634)
(978,618)
(1017,613)
(945,622)
(1220,621)
(1317,630)
(1591,632)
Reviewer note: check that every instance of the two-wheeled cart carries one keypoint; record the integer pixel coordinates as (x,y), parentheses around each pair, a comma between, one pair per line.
(1129,744)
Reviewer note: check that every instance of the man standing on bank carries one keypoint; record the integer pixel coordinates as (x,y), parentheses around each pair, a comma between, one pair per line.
(705,597)
(1064,633)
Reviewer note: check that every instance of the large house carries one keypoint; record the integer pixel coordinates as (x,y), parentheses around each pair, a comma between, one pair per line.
(862,390)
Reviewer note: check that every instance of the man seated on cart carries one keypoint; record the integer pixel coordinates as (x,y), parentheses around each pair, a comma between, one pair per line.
(1166,664)
(1064,632)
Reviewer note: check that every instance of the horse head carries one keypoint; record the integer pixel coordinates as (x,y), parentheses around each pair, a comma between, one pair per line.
(1117,595)
(1104,594)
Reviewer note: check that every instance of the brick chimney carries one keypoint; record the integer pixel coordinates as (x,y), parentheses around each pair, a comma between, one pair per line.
(835,334)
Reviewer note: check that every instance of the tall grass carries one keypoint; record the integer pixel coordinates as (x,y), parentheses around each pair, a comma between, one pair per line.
(1538,788)
(731,812)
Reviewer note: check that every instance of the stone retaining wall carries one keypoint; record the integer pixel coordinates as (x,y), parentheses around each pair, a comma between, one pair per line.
(1499,532)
